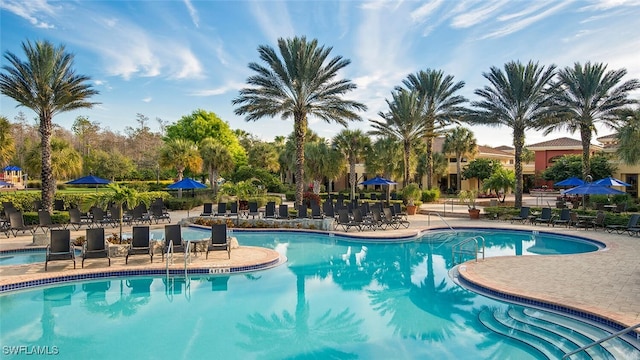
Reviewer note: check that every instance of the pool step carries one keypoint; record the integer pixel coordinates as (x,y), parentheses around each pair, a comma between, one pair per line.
(553,334)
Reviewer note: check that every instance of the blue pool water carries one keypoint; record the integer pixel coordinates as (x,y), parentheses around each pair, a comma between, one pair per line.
(332,299)
(23,257)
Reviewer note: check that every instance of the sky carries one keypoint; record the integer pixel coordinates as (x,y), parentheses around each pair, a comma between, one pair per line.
(165,59)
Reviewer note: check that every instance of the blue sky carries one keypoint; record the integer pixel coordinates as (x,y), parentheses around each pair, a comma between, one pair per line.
(165,59)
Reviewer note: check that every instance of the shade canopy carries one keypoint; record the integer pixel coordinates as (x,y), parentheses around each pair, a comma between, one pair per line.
(609,181)
(572,181)
(11,168)
(378,181)
(592,189)
(89,180)
(187,183)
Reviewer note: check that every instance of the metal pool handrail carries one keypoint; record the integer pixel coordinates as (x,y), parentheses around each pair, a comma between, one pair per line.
(187,257)
(619,333)
(169,255)
(441,218)
(459,245)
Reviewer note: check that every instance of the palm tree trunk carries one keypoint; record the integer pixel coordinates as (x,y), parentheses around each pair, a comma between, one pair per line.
(300,130)
(585,135)
(352,176)
(48,183)
(429,162)
(458,177)
(407,151)
(518,144)
(212,178)
(214,182)
(180,170)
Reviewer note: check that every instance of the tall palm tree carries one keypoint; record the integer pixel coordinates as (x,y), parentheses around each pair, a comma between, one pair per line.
(517,97)
(7,145)
(442,106)
(383,158)
(353,144)
(322,161)
(66,162)
(47,84)
(180,154)
(300,83)
(404,122)
(460,142)
(216,159)
(628,135)
(587,95)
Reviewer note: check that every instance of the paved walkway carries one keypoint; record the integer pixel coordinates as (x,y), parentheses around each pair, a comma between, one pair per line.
(606,283)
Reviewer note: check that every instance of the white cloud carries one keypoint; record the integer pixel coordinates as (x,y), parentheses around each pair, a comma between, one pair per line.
(523,23)
(231,86)
(32,11)
(193,13)
(147,99)
(610,4)
(424,12)
(273,18)
(478,14)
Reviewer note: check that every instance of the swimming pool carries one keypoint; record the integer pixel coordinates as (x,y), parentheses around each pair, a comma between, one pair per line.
(24,257)
(332,299)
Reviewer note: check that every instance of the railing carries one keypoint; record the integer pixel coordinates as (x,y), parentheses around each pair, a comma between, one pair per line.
(169,256)
(187,257)
(441,218)
(619,333)
(461,251)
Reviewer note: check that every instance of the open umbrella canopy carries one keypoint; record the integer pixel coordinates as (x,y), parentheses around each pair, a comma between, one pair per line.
(572,181)
(609,181)
(592,189)
(378,181)
(89,180)
(11,168)
(187,183)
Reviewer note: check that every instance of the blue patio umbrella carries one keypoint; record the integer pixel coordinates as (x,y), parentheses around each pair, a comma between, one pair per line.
(609,181)
(592,189)
(572,181)
(187,183)
(89,180)
(378,180)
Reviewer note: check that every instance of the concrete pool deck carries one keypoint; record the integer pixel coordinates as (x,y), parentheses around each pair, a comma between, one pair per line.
(605,283)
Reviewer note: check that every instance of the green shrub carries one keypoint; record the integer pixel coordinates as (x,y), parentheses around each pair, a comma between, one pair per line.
(290,195)
(431,195)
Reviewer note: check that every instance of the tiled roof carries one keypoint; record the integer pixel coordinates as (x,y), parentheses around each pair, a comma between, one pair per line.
(559,142)
(493,151)
(504,148)
(607,138)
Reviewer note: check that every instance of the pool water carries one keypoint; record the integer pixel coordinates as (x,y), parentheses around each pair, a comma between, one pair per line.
(332,299)
(24,257)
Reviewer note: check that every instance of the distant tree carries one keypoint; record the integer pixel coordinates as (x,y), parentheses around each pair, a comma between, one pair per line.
(353,144)
(481,169)
(216,159)
(180,154)
(300,83)
(382,159)
(571,166)
(109,165)
(47,84)
(248,172)
(265,155)
(201,124)
(588,95)
(518,98)
(442,107)
(459,142)
(7,145)
(86,132)
(66,162)
(628,136)
(501,180)
(322,161)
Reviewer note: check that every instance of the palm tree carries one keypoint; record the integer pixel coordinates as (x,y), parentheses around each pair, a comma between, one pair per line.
(517,98)
(460,142)
(66,162)
(383,158)
(441,106)
(628,135)
(7,146)
(587,95)
(322,161)
(353,144)
(301,83)
(181,154)
(47,84)
(404,122)
(216,159)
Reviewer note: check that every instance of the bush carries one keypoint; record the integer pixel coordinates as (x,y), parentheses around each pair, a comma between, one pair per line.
(430,195)
(290,195)
(34,184)
(183,203)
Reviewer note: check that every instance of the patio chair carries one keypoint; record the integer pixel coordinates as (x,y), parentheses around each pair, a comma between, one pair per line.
(302,211)
(77,220)
(577,222)
(221,210)
(99,218)
(219,240)
(346,222)
(207,210)
(158,214)
(565,217)
(16,224)
(233,209)
(633,223)
(283,211)
(376,221)
(546,217)
(253,210)
(525,211)
(115,216)
(95,246)
(328,209)
(270,210)
(58,205)
(140,243)
(45,222)
(389,220)
(173,233)
(397,208)
(140,215)
(37,205)
(401,218)
(60,248)
(598,222)
(316,213)
(620,208)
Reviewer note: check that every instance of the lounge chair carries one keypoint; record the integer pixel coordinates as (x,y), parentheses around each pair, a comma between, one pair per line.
(346,222)
(45,222)
(207,210)
(58,205)
(389,220)
(37,205)
(99,218)
(221,210)
(16,224)
(328,209)
(140,215)
(283,211)
(316,213)
(400,218)
(140,244)
(159,214)
(76,220)
(95,246)
(565,217)
(577,222)
(270,210)
(173,234)
(60,248)
(253,210)
(219,240)
(302,211)
(233,209)
(633,223)
(545,218)
(525,211)
(376,221)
